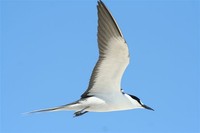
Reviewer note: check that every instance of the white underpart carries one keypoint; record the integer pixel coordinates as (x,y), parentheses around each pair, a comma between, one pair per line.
(115,102)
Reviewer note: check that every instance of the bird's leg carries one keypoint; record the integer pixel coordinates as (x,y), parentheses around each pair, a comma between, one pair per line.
(81,112)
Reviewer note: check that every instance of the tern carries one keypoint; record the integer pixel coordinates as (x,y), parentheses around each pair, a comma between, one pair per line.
(104,93)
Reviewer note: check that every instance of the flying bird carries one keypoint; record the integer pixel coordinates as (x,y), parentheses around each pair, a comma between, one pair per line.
(104,93)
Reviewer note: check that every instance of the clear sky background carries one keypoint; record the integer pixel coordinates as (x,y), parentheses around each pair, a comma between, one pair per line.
(49,48)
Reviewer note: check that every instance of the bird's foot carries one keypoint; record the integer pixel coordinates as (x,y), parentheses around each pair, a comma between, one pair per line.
(81,112)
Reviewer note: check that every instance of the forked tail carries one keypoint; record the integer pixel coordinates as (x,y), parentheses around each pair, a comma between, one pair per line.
(71,106)
(78,108)
(49,109)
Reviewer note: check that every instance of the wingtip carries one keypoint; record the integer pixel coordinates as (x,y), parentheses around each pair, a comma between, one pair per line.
(100,2)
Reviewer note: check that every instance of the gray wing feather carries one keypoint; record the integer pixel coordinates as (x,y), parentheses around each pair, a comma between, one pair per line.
(107,30)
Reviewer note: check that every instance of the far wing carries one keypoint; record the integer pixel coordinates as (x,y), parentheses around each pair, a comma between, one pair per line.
(113,56)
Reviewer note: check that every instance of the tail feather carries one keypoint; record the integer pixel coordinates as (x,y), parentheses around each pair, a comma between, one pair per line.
(48,110)
(71,106)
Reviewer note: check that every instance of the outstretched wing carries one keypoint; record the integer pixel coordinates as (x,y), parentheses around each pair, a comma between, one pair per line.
(113,56)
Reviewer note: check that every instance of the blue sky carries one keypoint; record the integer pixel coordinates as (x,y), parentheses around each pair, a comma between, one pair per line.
(49,48)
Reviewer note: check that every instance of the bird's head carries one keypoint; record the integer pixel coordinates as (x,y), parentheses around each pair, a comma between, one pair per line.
(138,104)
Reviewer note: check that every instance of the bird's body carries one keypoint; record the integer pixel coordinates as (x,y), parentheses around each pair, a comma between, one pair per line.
(104,92)
(101,103)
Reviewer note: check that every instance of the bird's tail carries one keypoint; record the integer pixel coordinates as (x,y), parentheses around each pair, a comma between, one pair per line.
(71,106)
(47,110)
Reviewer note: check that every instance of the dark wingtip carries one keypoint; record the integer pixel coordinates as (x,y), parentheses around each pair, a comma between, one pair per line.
(100,2)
